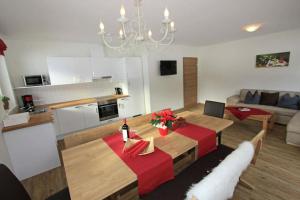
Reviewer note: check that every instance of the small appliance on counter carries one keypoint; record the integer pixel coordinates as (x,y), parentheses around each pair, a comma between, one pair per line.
(28,105)
(118,91)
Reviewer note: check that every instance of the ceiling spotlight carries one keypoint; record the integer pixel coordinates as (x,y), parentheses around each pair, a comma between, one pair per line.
(252,27)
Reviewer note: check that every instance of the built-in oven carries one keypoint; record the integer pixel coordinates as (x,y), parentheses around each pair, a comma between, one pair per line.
(108,110)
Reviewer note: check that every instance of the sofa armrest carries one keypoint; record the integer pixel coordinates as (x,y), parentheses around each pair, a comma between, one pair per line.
(235,99)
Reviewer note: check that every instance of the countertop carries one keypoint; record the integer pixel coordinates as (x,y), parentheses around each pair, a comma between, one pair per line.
(42,118)
(34,120)
(84,101)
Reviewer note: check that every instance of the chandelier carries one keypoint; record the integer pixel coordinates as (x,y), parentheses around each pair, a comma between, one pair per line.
(135,32)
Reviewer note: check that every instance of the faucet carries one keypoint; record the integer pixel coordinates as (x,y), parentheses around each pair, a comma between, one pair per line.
(27,109)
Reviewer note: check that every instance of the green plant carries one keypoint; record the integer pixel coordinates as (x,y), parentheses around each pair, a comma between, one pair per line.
(4,98)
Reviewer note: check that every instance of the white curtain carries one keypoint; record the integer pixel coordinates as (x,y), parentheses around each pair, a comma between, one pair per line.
(2,113)
(5,83)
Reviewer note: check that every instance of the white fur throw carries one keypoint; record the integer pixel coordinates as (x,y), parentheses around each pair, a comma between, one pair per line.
(221,182)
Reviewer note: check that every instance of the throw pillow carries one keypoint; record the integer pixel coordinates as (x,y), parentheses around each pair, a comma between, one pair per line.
(269,99)
(286,101)
(252,98)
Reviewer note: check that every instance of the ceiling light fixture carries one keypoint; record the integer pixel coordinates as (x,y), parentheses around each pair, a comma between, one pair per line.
(135,32)
(252,27)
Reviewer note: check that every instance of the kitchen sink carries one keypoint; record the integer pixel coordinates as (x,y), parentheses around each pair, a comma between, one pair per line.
(16,119)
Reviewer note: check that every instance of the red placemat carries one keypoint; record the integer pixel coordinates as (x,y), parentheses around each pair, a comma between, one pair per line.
(152,170)
(241,115)
(206,138)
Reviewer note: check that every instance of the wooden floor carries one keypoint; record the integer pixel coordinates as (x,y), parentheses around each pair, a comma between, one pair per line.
(276,175)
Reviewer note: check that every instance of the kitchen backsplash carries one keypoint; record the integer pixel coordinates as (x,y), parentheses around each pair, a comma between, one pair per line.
(62,93)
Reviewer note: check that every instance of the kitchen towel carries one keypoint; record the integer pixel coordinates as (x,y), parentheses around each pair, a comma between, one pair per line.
(137,148)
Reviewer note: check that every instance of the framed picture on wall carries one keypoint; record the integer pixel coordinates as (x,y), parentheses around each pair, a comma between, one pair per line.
(273,60)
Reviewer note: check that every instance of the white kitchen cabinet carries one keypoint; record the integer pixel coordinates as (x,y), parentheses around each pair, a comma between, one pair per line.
(119,72)
(108,67)
(91,115)
(135,103)
(101,67)
(69,70)
(76,118)
(121,108)
(32,150)
(70,119)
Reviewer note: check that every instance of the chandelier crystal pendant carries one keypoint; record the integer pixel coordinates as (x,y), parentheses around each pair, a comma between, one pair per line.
(135,32)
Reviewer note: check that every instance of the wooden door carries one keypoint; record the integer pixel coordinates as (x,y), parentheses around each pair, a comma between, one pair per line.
(190,82)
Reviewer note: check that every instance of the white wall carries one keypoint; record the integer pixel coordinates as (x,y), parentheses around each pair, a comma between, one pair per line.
(162,91)
(27,57)
(223,68)
(167,91)
(62,93)
(226,68)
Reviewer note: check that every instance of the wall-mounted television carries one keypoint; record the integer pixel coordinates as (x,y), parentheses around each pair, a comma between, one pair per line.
(168,67)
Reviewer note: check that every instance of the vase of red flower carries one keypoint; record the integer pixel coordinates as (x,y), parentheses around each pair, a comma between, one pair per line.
(163,120)
(163,132)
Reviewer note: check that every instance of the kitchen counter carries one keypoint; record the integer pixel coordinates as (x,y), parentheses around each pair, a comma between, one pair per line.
(35,119)
(85,101)
(42,118)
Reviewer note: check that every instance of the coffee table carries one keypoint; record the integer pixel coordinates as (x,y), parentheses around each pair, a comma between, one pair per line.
(266,120)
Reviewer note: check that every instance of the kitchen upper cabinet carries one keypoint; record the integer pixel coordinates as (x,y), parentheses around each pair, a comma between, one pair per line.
(119,72)
(101,67)
(69,70)
(135,103)
(108,67)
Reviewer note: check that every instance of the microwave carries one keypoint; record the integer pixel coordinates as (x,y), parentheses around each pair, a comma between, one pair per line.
(36,80)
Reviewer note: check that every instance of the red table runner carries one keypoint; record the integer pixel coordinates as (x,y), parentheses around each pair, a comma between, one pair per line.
(152,170)
(245,114)
(206,138)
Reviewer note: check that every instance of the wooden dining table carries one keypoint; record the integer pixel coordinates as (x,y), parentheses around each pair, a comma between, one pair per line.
(94,171)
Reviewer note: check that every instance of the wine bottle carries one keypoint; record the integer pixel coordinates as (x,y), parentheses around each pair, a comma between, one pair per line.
(125,131)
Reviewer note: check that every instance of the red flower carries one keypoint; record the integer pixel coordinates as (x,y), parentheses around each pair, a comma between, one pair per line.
(165,117)
(168,112)
(154,115)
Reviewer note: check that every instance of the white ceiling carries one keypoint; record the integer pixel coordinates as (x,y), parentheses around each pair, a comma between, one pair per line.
(198,22)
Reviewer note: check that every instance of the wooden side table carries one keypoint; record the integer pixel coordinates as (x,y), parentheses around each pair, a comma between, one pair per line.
(267,120)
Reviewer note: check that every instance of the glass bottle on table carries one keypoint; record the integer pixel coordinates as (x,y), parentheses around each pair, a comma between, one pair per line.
(125,131)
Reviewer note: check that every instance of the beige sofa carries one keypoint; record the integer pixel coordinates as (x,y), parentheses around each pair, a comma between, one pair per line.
(285,116)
